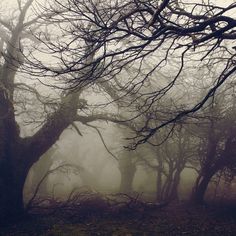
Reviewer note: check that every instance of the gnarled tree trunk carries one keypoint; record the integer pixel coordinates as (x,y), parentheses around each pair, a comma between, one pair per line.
(17,155)
(200,187)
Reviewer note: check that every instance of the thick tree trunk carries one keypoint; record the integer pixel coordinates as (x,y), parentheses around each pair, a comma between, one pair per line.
(127,170)
(12,169)
(12,179)
(170,188)
(127,181)
(201,188)
(174,194)
(167,185)
(11,203)
(208,168)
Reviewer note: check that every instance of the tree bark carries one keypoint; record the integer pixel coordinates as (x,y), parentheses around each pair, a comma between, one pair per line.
(13,172)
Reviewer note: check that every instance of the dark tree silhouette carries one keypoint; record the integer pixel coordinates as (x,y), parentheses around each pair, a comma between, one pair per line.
(18,153)
(218,149)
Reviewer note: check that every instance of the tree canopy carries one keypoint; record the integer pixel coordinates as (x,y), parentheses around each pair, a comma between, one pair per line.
(133,41)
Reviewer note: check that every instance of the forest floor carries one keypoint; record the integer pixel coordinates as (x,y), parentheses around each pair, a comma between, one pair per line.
(174,219)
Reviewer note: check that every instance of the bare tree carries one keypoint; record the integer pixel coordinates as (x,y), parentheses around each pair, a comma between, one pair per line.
(18,152)
(217,151)
(128,35)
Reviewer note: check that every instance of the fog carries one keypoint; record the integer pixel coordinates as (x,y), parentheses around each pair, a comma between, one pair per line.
(117,111)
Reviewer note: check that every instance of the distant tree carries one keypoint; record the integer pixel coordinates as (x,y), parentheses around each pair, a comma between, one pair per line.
(217,150)
(127,168)
(168,160)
